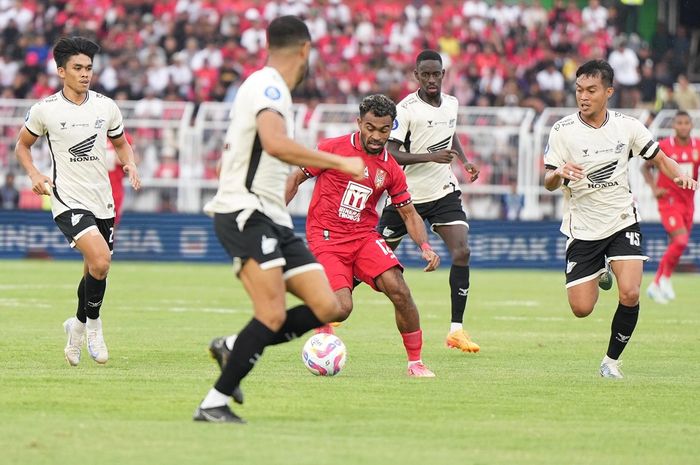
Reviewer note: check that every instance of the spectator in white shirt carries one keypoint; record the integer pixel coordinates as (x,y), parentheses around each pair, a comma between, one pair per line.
(594,16)
(625,64)
(550,79)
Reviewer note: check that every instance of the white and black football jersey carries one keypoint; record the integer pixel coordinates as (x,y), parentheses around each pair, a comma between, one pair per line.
(252,179)
(601,203)
(77,139)
(422,128)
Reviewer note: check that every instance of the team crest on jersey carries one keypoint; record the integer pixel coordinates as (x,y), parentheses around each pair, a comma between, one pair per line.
(453,121)
(696,156)
(619,147)
(379,178)
(366,172)
(273,93)
(99,122)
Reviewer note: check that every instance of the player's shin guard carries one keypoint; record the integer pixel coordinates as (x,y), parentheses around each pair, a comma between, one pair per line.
(622,327)
(300,319)
(94,293)
(413,342)
(674,252)
(249,346)
(459,290)
(80,313)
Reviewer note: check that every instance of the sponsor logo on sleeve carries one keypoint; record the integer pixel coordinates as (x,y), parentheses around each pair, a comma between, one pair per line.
(273,93)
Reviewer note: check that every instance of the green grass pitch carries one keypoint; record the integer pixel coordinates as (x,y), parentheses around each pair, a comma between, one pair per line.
(532,396)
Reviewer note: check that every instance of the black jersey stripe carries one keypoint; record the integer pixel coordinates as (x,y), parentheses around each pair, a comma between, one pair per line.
(646,147)
(53,160)
(255,156)
(31,132)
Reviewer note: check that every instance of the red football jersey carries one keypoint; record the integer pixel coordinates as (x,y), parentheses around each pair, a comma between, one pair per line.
(688,157)
(341,207)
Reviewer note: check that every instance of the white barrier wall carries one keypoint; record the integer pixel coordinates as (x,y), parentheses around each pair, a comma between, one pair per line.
(178,154)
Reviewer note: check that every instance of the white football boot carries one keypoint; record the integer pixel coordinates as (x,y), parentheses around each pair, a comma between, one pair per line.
(610,368)
(96,342)
(75,330)
(655,294)
(667,288)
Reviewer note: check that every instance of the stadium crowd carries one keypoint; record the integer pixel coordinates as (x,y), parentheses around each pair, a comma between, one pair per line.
(497,53)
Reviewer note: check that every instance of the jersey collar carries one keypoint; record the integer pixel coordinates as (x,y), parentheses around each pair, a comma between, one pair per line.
(357,145)
(87,96)
(607,117)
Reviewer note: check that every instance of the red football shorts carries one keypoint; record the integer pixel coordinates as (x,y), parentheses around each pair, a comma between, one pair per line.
(676,215)
(365,258)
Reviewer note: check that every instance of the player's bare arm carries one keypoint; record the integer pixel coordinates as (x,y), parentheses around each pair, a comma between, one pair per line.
(416,229)
(553,179)
(125,154)
(647,172)
(274,140)
(407,158)
(470,167)
(23,151)
(670,168)
(295,179)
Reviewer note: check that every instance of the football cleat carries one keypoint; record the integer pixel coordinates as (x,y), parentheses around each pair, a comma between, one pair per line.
(605,280)
(611,369)
(219,351)
(75,330)
(418,370)
(667,288)
(460,340)
(222,414)
(96,343)
(655,294)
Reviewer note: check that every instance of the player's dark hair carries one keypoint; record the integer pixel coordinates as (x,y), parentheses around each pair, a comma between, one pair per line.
(67,47)
(379,105)
(595,68)
(428,55)
(681,113)
(286,31)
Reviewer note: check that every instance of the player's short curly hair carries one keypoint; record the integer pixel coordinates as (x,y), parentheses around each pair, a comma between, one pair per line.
(67,47)
(379,105)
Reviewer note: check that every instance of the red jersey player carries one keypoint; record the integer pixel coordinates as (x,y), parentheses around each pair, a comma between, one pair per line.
(342,220)
(676,205)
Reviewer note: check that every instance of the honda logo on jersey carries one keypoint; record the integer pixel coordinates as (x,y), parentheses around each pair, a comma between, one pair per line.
(81,150)
(599,178)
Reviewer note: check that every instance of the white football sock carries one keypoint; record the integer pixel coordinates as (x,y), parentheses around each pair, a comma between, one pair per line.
(230,341)
(455,327)
(93,324)
(607,359)
(215,399)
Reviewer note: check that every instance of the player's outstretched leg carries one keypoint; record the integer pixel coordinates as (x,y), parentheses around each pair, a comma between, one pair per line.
(75,330)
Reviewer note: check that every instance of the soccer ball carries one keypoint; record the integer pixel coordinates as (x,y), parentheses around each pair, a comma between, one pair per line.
(324,354)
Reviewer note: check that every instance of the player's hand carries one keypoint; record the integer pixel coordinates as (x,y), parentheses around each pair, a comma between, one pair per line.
(431,257)
(473,170)
(570,171)
(41,185)
(686,182)
(133,174)
(355,167)
(659,192)
(443,156)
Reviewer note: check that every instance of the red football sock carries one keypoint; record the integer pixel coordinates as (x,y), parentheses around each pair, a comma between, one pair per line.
(413,342)
(674,252)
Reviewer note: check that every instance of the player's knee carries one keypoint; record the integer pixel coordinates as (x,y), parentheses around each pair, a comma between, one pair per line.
(344,310)
(460,255)
(399,294)
(99,267)
(629,297)
(681,241)
(581,310)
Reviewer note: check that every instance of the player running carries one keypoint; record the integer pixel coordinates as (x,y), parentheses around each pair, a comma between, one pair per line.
(676,205)
(342,220)
(425,127)
(588,157)
(77,123)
